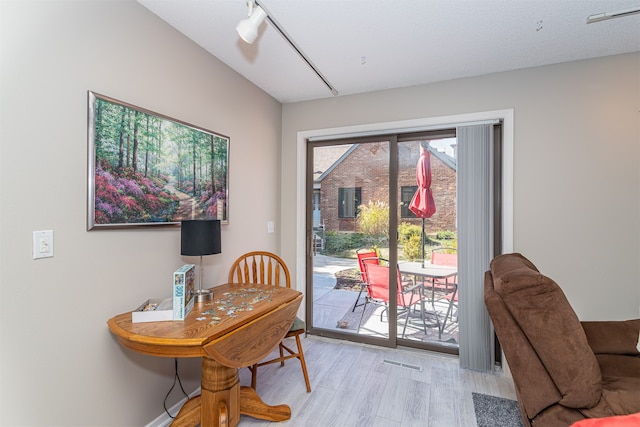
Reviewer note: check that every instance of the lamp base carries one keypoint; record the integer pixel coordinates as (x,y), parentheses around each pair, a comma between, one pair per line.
(203,295)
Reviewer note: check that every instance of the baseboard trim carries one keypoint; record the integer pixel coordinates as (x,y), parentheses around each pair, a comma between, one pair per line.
(164,419)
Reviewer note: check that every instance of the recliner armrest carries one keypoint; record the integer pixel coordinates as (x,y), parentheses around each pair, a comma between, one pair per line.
(613,337)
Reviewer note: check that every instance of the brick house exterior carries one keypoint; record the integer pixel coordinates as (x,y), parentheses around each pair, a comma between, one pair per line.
(368,164)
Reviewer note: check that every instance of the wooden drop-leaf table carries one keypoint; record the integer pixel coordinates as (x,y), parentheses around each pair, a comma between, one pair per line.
(241,325)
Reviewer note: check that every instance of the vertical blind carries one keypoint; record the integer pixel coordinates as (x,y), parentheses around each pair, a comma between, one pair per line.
(475,229)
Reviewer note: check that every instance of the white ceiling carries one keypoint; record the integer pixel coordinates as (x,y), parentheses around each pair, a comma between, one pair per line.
(367,45)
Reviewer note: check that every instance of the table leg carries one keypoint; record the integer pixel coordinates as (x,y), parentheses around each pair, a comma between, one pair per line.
(220,395)
(222,400)
(189,415)
(424,295)
(252,405)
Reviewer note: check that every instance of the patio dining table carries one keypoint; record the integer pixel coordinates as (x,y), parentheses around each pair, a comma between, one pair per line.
(428,274)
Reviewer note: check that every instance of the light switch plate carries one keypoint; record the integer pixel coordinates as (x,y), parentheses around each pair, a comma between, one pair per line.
(42,244)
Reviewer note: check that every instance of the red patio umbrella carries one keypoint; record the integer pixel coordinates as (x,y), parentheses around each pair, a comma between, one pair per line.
(422,203)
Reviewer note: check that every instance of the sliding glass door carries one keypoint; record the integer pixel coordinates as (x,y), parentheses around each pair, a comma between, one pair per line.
(439,257)
(348,191)
(382,267)
(427,243)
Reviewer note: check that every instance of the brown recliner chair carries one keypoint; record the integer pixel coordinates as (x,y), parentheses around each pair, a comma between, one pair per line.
(563,370)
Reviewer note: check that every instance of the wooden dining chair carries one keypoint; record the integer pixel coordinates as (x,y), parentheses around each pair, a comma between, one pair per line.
(266,268)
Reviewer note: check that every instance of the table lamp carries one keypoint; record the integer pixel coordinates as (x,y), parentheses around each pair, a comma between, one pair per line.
(199,238)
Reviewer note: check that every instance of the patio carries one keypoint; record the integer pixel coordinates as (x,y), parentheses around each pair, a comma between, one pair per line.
(332,309)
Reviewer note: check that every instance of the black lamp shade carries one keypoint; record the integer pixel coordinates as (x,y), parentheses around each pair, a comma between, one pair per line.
(200,237)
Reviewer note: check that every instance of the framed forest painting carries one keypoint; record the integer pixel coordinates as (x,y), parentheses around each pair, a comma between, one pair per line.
(148,169)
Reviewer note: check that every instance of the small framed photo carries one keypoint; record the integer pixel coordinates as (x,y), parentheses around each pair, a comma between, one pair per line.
(146,169)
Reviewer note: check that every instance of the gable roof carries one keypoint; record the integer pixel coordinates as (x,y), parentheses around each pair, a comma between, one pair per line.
(445,158)
(328,158)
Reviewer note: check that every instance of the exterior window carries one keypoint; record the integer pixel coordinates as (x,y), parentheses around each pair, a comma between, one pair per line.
(349,200)
(406,194)
(316,209)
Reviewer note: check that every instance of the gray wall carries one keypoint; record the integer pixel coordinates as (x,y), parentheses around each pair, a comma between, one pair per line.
(59,365)
(576,166)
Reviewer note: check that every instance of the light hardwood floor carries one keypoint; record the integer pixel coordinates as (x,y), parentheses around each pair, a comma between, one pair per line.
(352,386)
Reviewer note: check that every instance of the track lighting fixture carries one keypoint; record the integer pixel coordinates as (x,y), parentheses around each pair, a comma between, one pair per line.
(611,15)
(248,31)
(248,28)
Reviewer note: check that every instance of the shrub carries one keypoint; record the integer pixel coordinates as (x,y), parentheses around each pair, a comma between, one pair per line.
(411,248)
(410,240)
(344,243)
(373,218)
(337,243)
(406,230)
(446,235)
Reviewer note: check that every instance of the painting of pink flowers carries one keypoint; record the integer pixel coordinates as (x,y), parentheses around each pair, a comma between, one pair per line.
(149,169)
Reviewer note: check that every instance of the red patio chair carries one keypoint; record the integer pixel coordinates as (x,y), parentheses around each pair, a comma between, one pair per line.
(448,285)
(408,294)
(443,258)
(365,256)
(452,300)
(440,257)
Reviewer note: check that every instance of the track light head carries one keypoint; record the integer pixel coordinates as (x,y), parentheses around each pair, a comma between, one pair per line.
(248,28)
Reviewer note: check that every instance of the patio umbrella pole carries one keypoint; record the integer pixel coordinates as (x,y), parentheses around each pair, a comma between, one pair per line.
(422,242)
